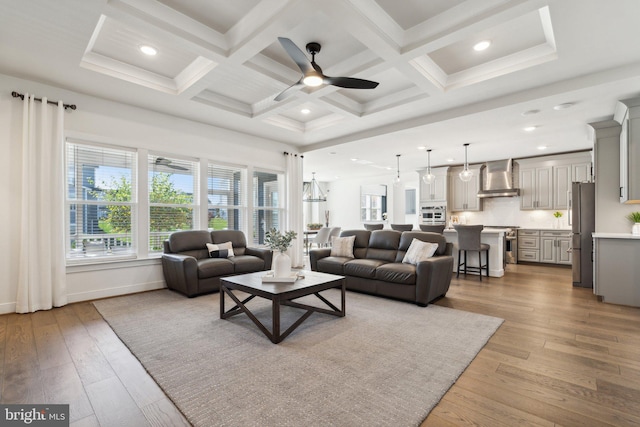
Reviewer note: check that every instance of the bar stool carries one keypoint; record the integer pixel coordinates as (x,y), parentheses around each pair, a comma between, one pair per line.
(432,228)
(469,240)
(372,227)
(402,227)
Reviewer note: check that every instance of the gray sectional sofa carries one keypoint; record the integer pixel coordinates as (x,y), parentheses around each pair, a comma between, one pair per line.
(188,268)
(377,267)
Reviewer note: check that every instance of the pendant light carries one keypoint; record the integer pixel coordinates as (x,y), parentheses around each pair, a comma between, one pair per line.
(466,174)
(313,192)
(397,180)
(429,177)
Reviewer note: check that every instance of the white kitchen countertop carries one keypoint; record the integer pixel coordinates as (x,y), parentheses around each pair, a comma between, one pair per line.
(485,231)
(614,236)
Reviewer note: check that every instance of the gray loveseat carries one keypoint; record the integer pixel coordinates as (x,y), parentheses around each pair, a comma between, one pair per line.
(377,266)
(188,268)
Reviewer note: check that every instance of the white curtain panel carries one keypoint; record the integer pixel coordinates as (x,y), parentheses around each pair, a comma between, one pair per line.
(294,219)
(42,277)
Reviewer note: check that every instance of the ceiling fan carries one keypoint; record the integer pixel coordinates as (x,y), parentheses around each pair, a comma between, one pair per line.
(312,73)
(161,161)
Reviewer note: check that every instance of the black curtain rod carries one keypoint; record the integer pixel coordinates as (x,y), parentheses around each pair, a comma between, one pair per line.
(66,106)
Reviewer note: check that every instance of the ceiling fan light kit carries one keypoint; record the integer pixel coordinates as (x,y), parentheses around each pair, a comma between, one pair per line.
(312,74)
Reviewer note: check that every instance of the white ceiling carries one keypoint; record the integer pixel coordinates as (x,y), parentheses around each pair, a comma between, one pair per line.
(219,62)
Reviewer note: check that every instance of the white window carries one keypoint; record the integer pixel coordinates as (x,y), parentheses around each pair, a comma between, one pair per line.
(226,197)
(268,212)
(101,200)
(173,190)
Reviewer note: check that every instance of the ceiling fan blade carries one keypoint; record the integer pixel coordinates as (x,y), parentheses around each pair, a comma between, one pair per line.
(296,54)
(288,91)
(180,168)
(350,82)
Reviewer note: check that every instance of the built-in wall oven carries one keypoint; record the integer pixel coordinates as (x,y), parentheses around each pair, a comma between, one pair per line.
(433,214)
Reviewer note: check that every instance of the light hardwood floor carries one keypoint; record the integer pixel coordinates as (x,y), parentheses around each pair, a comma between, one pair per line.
(560,358)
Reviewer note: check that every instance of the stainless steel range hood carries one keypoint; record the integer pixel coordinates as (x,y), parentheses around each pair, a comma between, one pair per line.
(499,180)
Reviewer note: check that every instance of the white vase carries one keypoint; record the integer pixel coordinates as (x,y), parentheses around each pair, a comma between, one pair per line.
(635,230)
(281,265)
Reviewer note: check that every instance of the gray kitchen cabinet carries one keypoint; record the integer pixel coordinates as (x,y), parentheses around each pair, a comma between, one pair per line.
(627,113)
(536,187)
(436,191)
(464,195)
(529,245)
(563,176)
(554,247)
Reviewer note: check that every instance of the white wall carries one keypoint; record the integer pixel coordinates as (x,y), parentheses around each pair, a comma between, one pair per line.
(343,200)
(108,122)
(610,213)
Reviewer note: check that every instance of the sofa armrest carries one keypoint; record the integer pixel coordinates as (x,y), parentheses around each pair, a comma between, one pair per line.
(264,253)
(433,277)
(181,273)
(316,254)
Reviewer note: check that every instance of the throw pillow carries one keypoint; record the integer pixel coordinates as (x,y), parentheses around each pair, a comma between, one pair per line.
(419,251)
(222,250)
(342,246)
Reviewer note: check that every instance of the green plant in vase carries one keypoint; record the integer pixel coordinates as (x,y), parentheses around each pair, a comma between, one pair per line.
(557,215)
(635,218)
(280,242)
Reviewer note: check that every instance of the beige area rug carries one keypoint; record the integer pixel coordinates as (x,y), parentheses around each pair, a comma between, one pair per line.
(387,363)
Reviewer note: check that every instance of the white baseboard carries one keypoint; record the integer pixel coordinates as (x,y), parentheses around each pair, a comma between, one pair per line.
(10,307)
(112,292)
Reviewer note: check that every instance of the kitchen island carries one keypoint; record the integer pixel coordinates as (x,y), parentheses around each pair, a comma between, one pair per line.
(616,268)
(494,237)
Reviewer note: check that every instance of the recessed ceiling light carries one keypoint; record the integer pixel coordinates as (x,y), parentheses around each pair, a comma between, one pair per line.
(450,160)
(542,147)
(305,111)
(148,50)
(530,128)
(422,147)
(354,160)
(530,112)
(563,106)
(480,46)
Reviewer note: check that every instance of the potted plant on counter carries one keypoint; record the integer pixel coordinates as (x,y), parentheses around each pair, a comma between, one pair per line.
(280,242)
(557,215)
(635,218)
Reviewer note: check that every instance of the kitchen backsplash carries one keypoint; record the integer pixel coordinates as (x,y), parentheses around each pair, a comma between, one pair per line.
(506,211)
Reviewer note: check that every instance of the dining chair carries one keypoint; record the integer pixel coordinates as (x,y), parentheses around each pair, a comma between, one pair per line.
(335,232)
(322,238)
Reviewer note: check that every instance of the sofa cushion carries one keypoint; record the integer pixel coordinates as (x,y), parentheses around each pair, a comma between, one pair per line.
(236,237)
(362,267)
(342,246)
(419,251)
(383,245)
(361,243)
(395,272)
(408,236)
(332,265)
(190,242)
(222,250)
(247,263)
(212,267)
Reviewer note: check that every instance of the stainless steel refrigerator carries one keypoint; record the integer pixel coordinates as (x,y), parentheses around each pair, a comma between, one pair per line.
(583,223)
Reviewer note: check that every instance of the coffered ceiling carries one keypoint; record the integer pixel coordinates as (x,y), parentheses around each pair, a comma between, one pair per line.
(219,62)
